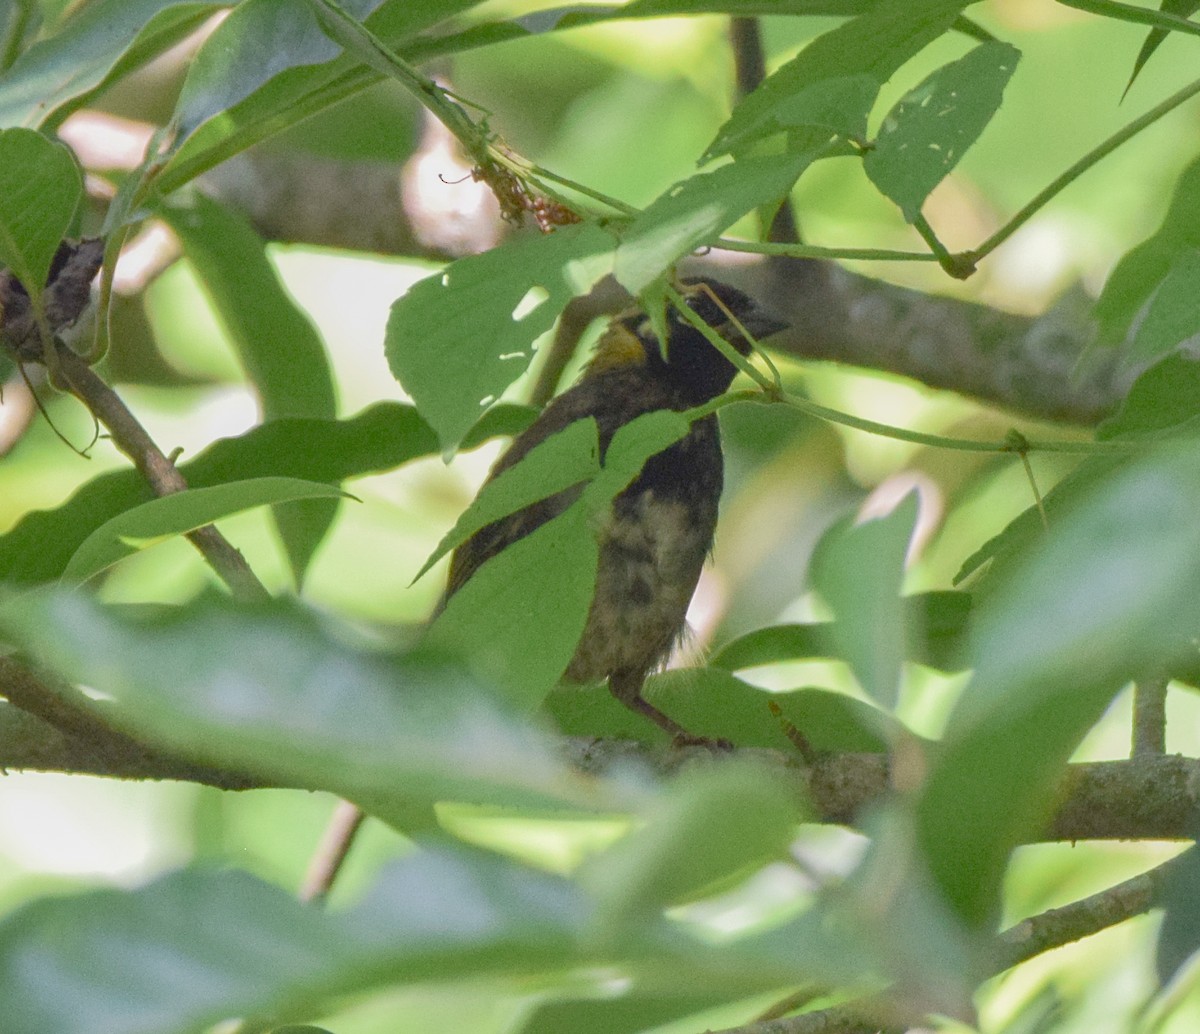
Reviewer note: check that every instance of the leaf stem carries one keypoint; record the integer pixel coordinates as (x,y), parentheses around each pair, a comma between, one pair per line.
(1075,171)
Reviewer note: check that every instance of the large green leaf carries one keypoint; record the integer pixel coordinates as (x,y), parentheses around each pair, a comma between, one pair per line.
(179,513)
(199,946)
(1165,396)
(715,704)
(521,614)
(561,461)
(278,692)
(278,345)
(457,339)
(1173,315)
(1143,267)
(693,212)
(57,73)
(380,438)
(40,189)
(252,107)
(859,569)
(1108,595)
(743,820)
(258,41)
(833,82)
(935,625)
(930,128)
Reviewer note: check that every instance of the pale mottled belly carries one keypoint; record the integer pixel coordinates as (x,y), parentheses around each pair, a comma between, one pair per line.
(651,552)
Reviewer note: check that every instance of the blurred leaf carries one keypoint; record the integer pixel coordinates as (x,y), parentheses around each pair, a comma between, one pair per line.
(40,189)
(715,704)
(1109,594)
(1164,19)
(177,514)
(696,210)
(297,92)
(259,40)
(69,65)
(833,82)
(1163,397)
(709,825)
(1173,315)
(561,461)
(859,569)
(936,626)
(457,339)
(275,340)
(930,128)
(274,691)
(1179,8)
(380,438)
(198,946)
(281,351)
(1179,934)
(631,1012)
(1143,267)
(1026,531)
(520,616)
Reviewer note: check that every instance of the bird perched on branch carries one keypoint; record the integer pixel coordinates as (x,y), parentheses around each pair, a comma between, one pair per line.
(653,543)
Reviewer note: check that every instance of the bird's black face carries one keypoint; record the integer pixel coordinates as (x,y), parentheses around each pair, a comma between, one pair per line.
(692,365)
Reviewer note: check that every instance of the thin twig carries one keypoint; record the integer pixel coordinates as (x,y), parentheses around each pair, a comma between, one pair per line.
(327,861)
(164,479)
(1149,717)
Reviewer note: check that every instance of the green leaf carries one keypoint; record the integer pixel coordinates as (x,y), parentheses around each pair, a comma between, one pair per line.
(280,349)
(833,82)
(713,703)
(1165,19)
(380,438)
(177,514)
(1163,397)
(276,691)
(198,946)
(1178,8)
(1173,316)
(259,40)
(56,74)
(275,340)
(696,210)
(1179,935)
(859,569)
(218,81)
(930,128)
(561,461)
(520,616)
(741,819)
(1143,267)
(40,189)
(457,339)
(1109,595)
(935,623)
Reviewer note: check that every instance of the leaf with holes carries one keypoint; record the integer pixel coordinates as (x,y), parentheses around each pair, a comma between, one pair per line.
(457,339)
(927,132)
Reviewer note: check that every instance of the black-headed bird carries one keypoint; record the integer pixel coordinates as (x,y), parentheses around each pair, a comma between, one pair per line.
(654,541)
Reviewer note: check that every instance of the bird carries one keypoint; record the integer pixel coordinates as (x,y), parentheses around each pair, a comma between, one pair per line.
(654,540)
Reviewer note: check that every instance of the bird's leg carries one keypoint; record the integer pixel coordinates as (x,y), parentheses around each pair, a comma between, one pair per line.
(626,686)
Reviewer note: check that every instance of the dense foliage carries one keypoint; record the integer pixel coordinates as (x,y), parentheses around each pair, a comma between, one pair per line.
(926,619)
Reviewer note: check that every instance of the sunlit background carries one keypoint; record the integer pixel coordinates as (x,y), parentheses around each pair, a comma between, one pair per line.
(627,108)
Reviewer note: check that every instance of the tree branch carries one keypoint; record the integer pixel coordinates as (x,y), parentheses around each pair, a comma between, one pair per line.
(1026,940)
(163,477)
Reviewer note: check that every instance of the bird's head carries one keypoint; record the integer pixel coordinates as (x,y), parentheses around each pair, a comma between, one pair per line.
(693,367)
